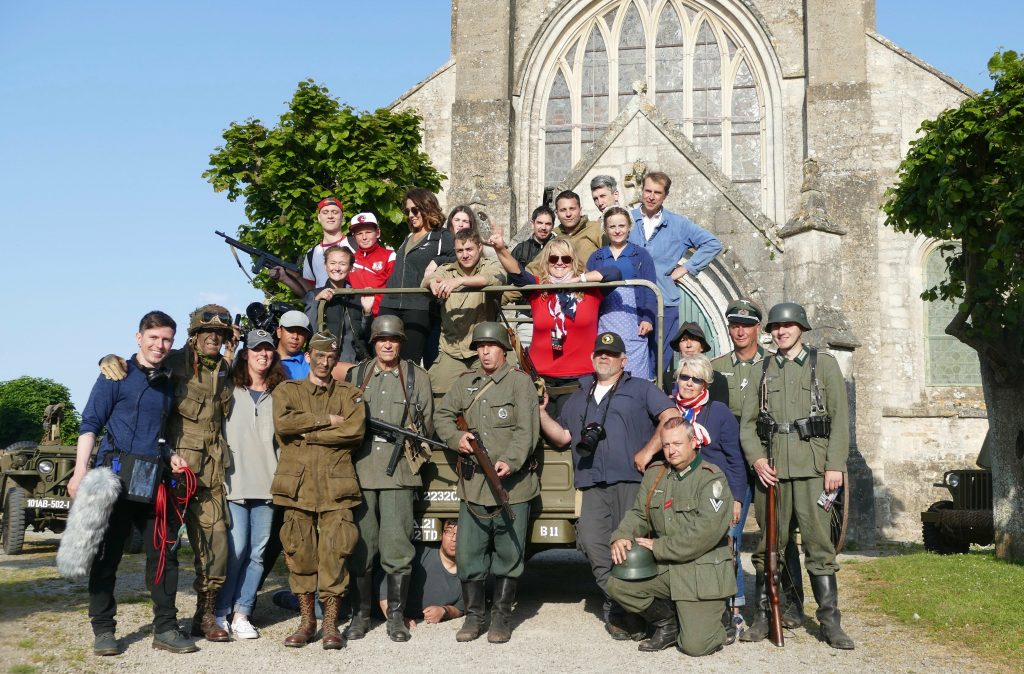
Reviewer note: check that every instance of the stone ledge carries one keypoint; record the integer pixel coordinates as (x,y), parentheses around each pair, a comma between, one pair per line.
(924,411)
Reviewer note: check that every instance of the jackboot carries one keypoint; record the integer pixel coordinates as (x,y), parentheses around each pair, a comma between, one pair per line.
(307,621)
(204,623)
(475,624)
(826,593)
(759,627)
(661,615)
(793,596)
(332,639)
(501,612)
(398,592)
(360,591)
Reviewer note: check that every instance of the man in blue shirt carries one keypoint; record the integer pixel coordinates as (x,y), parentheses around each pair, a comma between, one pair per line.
(132,411)
(293,329)
(630,410)
(667,236)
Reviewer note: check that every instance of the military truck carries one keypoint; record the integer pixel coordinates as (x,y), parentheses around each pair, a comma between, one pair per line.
(34,480)
(949,527)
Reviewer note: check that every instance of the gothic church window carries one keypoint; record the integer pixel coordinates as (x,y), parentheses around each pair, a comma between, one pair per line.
(696,68)
(949,362)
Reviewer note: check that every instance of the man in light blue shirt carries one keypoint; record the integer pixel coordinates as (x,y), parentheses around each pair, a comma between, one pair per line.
(667,236)
(293,329)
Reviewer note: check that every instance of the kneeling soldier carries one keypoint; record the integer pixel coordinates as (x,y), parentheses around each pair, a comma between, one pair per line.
(319,423)
(682,516)
(499,405)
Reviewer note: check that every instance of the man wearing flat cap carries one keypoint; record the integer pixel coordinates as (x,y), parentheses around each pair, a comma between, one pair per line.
(319,423)
(611,422)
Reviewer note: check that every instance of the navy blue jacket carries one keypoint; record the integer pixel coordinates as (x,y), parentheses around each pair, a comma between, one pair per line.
(634,263)
(724,450)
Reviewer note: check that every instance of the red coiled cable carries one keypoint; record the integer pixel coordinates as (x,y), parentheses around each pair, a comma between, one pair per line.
(160,538)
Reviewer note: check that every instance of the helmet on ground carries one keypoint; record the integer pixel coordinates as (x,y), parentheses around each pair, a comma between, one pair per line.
(638,565)
(387,326)
(490,332)
(209,317)
(787,312)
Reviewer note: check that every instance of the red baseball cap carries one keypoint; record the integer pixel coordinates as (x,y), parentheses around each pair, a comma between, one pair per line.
(329,201)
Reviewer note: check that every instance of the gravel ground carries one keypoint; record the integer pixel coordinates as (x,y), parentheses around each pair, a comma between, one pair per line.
(44,627)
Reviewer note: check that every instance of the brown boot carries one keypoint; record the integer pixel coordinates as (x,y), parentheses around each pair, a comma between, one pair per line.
(203,622)
(307,621)
(332,639)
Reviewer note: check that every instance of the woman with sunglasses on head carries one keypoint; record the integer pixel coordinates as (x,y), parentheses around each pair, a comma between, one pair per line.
(564,321)
(628,312)
(249,431)
(428,242)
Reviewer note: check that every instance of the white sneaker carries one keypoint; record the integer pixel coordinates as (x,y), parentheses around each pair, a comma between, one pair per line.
(243,629)
(222,622)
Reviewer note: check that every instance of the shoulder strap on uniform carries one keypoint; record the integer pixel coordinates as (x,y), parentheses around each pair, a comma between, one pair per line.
(762,388)
(365,374)
(816,405)
(650,494)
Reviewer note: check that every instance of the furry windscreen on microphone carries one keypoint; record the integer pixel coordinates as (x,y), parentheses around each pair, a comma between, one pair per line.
(87,522)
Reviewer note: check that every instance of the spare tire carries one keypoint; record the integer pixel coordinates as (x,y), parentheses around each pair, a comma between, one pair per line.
(938,542)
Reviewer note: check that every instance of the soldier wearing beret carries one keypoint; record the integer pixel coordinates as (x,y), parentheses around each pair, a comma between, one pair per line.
(319,423)
(681,514)
(803,391)
(499,404)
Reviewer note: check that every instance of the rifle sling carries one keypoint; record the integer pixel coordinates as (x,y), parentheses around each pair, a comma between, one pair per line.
(650,494)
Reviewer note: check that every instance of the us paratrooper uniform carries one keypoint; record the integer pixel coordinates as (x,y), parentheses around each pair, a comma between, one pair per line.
(690,511)
(316,484)
(401,397)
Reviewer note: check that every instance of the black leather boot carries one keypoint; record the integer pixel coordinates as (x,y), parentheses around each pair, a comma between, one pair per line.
(661,615)
(475,624)
(826,593)
(362,597)
(792,583)
(501,612)
(398,592)
(758,628)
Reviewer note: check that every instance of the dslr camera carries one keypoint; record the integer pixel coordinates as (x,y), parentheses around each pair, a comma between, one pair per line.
(592,434)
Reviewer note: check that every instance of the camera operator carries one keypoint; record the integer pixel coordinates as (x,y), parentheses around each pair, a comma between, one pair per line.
(612,423)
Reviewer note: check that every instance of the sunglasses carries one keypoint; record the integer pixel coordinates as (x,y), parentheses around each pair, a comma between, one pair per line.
(219,315)
(555,259)
(411,211)
(690,377)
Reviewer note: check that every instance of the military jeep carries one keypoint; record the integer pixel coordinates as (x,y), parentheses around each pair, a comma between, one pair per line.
(949,527)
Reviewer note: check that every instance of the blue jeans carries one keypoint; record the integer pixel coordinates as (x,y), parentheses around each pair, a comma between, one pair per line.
(250,531)
(736,532)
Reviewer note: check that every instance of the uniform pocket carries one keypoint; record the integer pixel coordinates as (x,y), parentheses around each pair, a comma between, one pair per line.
(189,407)
(715,575)
(341,480)
(503,415)
(195,458)
(287,480)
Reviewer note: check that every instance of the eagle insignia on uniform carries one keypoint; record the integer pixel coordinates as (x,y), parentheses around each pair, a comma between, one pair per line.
(472,389)
(743,384)
(502,413)
(716,496)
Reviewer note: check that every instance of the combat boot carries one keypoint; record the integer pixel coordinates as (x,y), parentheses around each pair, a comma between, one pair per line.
(475,624)
(361,598)
(793,596)
(501,613)
(759,627)
(661,615)
(826,593)
(307,621)
(332,639)
(398,592)
(204,623)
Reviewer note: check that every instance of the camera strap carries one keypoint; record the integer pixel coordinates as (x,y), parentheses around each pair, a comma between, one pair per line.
(608,397)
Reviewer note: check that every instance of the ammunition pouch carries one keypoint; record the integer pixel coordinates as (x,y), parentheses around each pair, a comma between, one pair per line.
(815,426)
(766,427)
(467,469)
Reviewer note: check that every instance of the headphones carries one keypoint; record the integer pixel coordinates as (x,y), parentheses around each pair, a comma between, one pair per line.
(157,376)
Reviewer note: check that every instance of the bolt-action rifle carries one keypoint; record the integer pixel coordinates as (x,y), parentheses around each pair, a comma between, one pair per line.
(525,362)
(483,460)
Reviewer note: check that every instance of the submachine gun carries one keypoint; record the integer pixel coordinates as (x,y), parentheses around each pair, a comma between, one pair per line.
(483,460)
(401,436)
(261,259)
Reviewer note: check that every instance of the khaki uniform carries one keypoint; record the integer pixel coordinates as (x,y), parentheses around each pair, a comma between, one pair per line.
(801,464)
(316,481)
(385,517)
(502,409)
(460,313)
(690,511)
(202,400)
(586,239)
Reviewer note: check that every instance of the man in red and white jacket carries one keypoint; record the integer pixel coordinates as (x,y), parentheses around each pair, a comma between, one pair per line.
(373,262)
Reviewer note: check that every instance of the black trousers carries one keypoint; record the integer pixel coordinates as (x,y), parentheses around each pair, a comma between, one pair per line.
(103,575)
(417,331)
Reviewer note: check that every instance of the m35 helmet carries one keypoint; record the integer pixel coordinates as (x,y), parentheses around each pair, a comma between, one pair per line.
(387,326)
(787,312)
(490,331)
(639,565)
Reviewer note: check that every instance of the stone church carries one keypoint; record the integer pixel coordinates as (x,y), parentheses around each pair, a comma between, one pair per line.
(782,123)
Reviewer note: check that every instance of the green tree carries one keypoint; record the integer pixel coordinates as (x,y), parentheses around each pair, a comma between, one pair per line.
(22,402)
(319,148)
(962,181)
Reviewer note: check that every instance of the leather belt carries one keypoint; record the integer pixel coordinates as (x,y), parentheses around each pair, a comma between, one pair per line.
(786,428)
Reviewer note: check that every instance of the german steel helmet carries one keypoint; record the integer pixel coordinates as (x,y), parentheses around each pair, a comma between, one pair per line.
(639,565)
(387,326)
(490,332)
(787,312)
(209,317)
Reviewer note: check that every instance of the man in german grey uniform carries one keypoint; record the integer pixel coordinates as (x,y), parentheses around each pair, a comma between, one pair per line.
(319,423)
(398,392)
(681,514)
(499,404)
(801,408)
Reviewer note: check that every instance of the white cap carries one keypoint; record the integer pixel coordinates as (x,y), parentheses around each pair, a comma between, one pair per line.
(294,319)
(363,219)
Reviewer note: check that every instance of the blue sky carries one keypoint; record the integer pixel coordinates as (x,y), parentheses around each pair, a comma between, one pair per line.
(109,111)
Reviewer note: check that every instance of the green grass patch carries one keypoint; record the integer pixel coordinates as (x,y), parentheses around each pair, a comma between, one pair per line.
(26,643)
(972,600)
(22,669)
